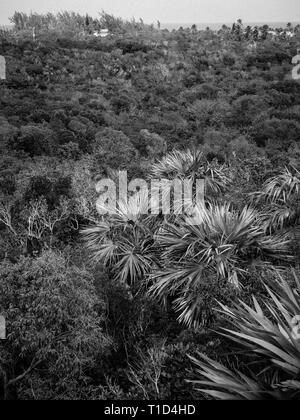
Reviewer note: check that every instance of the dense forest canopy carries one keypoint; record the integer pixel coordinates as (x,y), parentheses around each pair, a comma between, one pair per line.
(119,307)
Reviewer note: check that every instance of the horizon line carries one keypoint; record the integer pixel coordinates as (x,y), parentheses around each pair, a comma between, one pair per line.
(204,22)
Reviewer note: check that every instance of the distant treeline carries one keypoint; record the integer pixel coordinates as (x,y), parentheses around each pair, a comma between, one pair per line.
(73,24)
(74,21)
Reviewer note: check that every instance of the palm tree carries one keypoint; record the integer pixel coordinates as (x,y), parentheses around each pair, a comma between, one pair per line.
(123,241)
(217,244)
(280,197)
(193,165)
(273,339)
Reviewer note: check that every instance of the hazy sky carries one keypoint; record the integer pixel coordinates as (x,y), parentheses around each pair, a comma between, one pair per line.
(167,11)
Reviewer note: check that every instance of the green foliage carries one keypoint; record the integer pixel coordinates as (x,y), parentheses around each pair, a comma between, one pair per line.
(113,149)
(35,140)
(218,106)
(216,246)
(280,199)
(124,241)
(154,144)
(192,165)
(270,337)
(276,133)
(54,326)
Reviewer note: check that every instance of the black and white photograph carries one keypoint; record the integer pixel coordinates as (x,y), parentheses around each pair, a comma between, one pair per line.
(149,203)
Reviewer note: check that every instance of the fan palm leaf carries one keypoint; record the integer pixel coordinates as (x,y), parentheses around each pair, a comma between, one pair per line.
(192,165)
(280,200)
(219,245)
(123,240)
(272,335)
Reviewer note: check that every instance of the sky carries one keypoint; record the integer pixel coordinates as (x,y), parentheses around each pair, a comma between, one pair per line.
(167,11)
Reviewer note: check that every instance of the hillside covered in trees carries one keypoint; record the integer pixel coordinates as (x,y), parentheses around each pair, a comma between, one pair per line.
(124,306)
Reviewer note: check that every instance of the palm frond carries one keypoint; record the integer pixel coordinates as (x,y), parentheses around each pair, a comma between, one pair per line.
(193,165)
(124,240)
(219,244)
(280,188)
(270,335)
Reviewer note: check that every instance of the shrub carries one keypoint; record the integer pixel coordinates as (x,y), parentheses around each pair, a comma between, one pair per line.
(270,338)
(215,246)
(35,140)
(54,326)
(114,149)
